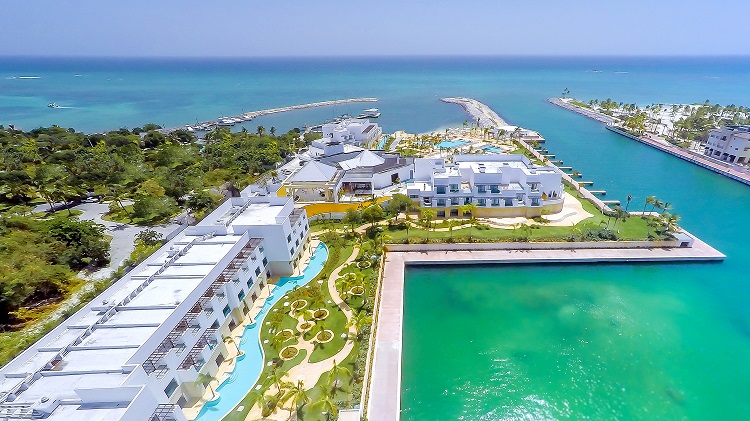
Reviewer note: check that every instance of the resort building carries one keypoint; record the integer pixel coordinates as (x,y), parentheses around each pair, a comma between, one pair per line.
(501,185)
(730,144)
(136,351)
(359,132)
(360,172)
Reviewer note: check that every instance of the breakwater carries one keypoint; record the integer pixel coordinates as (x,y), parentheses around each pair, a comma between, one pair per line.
(228,121)
(480,113)
(603,118)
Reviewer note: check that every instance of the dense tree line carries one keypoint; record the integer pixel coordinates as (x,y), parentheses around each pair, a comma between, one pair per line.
(160,174)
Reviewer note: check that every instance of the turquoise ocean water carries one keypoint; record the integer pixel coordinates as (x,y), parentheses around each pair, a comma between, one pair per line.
(648,341)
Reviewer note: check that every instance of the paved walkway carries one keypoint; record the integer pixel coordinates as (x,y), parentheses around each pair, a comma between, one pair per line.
(385,386)
(308,372)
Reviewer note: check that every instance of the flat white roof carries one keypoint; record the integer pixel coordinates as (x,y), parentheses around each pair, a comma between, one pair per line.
(94,359)
(88,413)
(118,336)
(259,214)
(64,339)
(127,316)
(165,292)
(62,386)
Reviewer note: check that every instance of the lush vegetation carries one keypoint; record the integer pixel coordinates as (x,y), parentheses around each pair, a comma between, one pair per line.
(691,122)
(146,176)
(340,387)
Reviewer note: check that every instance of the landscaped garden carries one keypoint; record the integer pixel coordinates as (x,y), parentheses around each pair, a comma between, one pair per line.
(308,334)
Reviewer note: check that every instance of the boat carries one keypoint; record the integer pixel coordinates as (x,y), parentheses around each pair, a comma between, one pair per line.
(226,122)
(370,113)
(53,105)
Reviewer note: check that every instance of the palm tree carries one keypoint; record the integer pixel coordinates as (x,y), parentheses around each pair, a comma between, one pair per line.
(327,405)
(649,201)
(260,130)
(334,375)
(471,209)
(658,204)
(359,322)
(205,380)
(272,131)
(296,395)
(665,207)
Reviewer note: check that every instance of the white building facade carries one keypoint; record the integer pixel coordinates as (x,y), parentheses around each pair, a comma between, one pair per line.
(730,144)
(353,131)
(134,353)
(499,185)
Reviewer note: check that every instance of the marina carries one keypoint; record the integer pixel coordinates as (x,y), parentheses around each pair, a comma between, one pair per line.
(240,118)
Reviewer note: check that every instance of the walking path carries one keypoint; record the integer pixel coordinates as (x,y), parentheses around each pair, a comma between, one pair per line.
(253,114)
(310,373)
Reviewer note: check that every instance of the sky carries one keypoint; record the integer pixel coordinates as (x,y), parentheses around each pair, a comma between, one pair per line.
(257,28)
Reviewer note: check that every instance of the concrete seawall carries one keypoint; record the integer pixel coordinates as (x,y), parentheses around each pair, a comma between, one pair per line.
(701,160)
(479,112)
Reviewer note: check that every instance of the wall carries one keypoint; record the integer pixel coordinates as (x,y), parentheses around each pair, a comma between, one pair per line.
(534,246)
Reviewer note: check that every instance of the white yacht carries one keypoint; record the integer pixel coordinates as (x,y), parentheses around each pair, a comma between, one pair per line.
(370,113)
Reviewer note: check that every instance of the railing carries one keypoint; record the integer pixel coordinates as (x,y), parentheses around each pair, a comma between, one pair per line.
(163,412)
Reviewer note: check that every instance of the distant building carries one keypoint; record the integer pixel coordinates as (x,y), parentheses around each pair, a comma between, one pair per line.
(502,185)
(360,172)
(136,351)
(730,144)
(353,131)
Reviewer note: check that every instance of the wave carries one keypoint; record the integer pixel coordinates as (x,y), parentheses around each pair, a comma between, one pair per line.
(29,77)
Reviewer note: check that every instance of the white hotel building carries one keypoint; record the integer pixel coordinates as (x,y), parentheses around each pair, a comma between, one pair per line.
(730,144)
(499,185)
(135,351)
(357,132)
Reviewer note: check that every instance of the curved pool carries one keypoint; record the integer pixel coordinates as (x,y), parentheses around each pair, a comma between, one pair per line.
(247,369)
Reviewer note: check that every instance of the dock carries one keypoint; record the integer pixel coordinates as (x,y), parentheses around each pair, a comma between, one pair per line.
(210,125)
(611,202)
(479,113)
(601,192)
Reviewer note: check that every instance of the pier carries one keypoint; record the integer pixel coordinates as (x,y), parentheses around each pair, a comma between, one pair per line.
(209,125)
(611,202)
(586,183)
(601,192)
(564,168)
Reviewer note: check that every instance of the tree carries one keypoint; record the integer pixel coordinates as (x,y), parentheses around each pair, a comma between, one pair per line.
(260,130)
(334,375)
(327,405)
(471,209)
(84,241)
(359,321)
(230,340)
(427,215)
(149,237)
(649,201)
(373,213)
(399,203)
(205,380)
(272,131)
(296,395)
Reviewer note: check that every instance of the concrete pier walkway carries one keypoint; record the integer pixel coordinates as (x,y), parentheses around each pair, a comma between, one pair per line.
(384,402)
(253,114)
(479,112)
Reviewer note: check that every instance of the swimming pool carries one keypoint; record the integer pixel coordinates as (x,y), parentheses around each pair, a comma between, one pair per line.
(381,145)
(247,369)
(452,144)
(493,149)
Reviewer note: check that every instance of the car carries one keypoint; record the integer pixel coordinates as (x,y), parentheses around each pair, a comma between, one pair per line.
(92,199)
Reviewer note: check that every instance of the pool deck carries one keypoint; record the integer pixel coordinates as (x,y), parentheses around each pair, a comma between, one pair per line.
(385,387)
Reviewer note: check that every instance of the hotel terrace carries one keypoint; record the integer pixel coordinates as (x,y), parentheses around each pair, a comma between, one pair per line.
(135,352)
(499,185)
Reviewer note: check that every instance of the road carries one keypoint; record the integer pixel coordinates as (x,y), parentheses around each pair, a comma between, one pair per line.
(123,235)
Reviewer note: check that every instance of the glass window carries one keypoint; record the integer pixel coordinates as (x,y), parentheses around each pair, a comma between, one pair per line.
(482,189)
(265,262)
(257,271)
(289,238)
(482,202)
(226,310)
(441,202)
(241,295)
(440,189)
(454,201)
(171,387)
(495,188)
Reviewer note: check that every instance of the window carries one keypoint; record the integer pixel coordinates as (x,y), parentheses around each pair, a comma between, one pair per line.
(215,324)
(257,271)
(265,262)
(171,387)
(482,189)
(454,201)
(535,202)
(249,283)
(482,202)
(441,202)
(495,202)
(226,310)
(297,242)
(291,250)
(495,188)
(441,214)
(440,189)
(508,201)
(289,238)
(413,196)
(454,188)
(241,295)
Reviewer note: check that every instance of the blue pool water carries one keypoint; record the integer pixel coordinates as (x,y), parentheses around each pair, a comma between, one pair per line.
(452,144)
(381,145)
(248,369)
(493,149)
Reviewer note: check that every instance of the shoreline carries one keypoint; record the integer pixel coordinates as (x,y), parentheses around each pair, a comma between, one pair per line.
(686,155)
(479,112)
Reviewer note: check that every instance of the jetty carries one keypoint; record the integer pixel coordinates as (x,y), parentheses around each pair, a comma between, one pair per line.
(603,118)
(228,121)
(480,113)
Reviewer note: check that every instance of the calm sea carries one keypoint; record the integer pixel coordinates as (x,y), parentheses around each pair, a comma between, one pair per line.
(647,341)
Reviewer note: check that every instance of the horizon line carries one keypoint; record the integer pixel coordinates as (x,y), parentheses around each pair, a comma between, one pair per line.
(378,56)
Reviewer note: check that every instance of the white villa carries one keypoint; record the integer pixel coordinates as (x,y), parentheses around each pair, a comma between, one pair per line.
(501,185)
(353,131)
(730,144)
(134,353)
